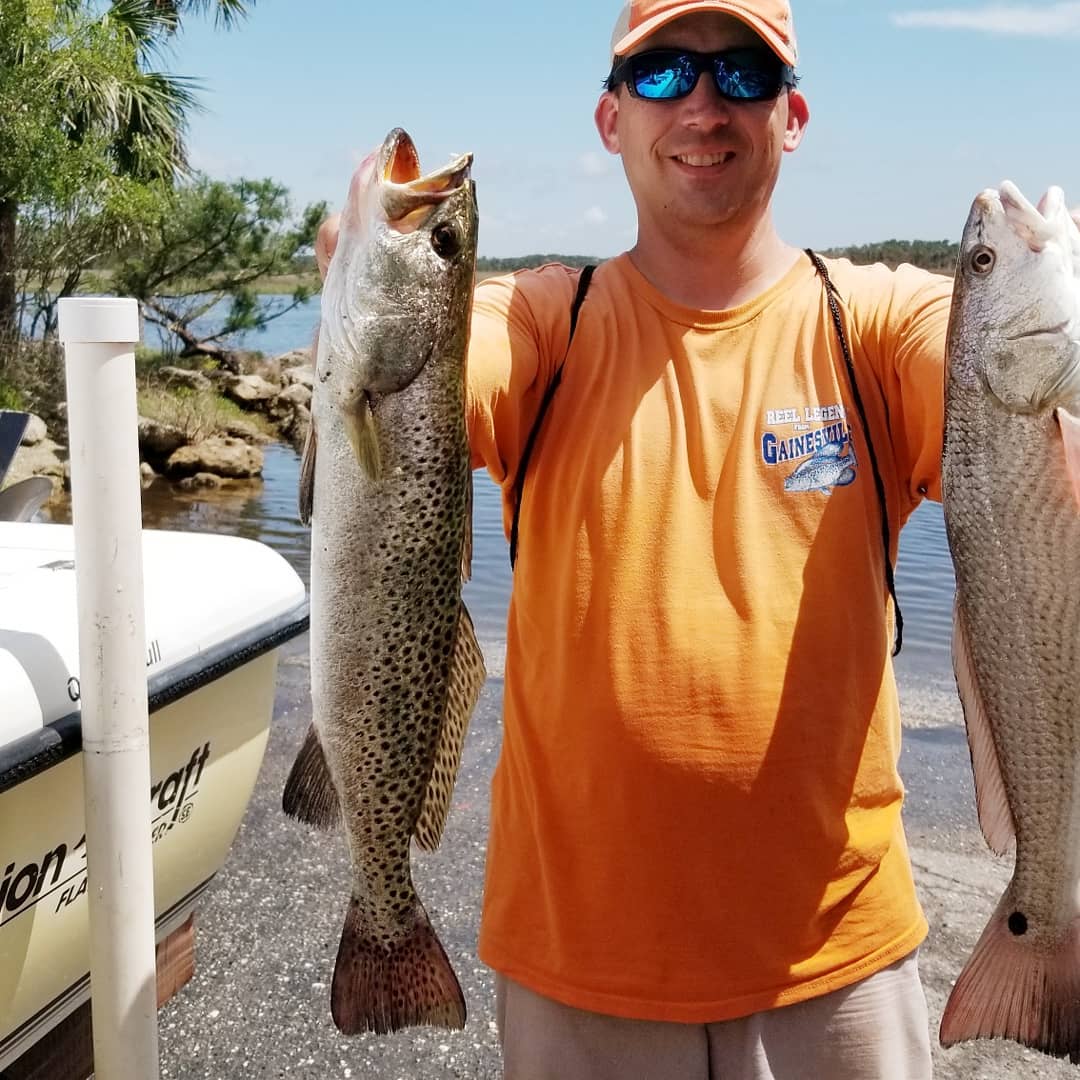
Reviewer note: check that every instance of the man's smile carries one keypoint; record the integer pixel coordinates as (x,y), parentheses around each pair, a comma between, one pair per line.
(704,160)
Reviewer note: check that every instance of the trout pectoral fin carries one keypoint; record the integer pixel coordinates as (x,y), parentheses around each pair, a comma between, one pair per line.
(467,676)
(364,437)
(995,814)
(307,476)
(310,795)
(1070,437)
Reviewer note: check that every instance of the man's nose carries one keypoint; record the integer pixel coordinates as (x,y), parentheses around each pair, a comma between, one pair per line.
(704,106)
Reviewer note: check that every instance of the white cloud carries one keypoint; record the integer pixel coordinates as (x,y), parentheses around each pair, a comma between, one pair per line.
(594,164)
(1044,20)
(595,216)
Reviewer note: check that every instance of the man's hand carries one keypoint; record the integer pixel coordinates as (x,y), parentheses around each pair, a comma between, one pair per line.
(327,239)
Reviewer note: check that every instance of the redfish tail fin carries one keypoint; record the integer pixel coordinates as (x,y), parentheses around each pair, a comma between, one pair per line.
(382,987)
(1011,988)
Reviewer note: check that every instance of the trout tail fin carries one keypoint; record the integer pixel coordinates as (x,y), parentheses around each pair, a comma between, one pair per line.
(1015,988)
(383,986)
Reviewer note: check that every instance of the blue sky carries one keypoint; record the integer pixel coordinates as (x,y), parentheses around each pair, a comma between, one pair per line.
(916,107)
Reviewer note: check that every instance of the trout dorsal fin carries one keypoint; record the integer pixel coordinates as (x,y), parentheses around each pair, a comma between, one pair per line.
(467,676)
(467,544)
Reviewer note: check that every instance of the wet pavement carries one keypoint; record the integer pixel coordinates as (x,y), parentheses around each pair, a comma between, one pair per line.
(267,930)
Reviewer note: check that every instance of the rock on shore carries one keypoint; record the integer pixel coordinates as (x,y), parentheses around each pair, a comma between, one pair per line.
(38,456)
(278,389)
(221,455)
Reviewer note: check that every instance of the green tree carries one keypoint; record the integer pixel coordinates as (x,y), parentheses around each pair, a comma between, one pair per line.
(939,255)
(60,241)
(195,269)
(80,106)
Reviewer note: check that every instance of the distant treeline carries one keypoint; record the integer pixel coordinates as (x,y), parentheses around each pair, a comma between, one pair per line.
(487,265)
(928,254)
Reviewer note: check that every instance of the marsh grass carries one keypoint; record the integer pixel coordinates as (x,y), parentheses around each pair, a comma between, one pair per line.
(32,378)
(11,397)
(197,413)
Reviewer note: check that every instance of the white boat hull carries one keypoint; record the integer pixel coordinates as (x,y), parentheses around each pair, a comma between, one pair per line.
(210,714)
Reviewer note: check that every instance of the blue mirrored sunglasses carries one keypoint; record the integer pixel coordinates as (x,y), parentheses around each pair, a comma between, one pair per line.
(670,74)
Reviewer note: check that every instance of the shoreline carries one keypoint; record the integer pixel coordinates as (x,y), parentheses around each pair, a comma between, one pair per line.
(267,932)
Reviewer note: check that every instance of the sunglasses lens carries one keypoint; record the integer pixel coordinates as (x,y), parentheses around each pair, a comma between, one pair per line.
(740,74)
(662,77)
(748,76)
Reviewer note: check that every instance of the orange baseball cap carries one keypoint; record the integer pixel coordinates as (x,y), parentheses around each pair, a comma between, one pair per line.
(769,19)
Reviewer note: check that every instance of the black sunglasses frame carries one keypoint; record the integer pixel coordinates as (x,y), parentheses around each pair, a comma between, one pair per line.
(623,72)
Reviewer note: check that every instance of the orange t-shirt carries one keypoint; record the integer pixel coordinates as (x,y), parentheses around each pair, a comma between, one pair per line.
(696,811)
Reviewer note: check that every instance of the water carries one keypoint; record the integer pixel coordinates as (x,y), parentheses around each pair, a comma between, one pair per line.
(293,329)
(267,512)
(924,588)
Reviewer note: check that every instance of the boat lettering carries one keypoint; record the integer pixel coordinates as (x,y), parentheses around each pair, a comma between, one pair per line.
(173,793)
(153,656)
(17,888)
(62,871)
(72,893)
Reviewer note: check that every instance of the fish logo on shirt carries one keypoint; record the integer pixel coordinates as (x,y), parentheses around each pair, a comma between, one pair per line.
(825,470)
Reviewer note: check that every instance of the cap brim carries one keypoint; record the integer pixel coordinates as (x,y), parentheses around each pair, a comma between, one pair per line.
(775,42)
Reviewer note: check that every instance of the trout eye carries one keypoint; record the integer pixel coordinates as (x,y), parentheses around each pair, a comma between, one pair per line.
(445,241)
(983,259)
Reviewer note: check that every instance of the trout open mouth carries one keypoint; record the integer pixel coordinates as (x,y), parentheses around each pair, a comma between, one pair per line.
(407,196)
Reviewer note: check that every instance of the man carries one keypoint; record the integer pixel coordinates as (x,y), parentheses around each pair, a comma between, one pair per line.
(696,865)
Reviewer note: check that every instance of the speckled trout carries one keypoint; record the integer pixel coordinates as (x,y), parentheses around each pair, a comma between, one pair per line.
(1011,472)
(386,485)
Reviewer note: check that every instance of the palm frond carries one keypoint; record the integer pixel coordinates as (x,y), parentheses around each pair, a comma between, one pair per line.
(147,24)
(227,13)
(153,111)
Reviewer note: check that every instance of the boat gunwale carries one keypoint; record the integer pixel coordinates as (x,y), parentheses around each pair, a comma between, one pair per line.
(60,739)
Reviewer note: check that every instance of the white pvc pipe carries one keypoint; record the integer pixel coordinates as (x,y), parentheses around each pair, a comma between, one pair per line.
(99,336)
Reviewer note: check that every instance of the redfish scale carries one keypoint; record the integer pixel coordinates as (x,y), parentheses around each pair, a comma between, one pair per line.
(1020,533)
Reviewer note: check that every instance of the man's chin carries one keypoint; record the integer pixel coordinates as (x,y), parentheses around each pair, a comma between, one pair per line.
(706,213)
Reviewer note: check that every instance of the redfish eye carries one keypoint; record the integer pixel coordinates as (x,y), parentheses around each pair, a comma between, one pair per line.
(983,259)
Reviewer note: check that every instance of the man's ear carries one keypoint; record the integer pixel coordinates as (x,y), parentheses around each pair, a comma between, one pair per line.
(798,118)
(606,117)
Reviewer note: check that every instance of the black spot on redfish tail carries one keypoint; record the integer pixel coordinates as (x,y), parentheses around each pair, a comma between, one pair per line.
(1015,988)
(309,794)
(383,987)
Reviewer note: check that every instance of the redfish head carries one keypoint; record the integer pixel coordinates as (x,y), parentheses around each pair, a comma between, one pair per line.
(1016,306)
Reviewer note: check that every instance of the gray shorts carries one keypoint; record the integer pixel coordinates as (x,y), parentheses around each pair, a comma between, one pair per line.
(876,1029)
